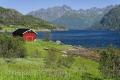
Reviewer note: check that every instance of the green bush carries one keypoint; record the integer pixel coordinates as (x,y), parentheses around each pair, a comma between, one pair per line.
(0,28)
(89,76)
(12,47)
(68,61)
(51,58)
(109,63)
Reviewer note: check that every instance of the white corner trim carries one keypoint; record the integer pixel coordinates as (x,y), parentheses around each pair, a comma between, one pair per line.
(29,30)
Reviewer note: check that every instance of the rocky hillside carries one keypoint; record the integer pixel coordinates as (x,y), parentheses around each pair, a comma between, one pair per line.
(72,19)
(78,20)
(13,18)
(110,21)
(51,14)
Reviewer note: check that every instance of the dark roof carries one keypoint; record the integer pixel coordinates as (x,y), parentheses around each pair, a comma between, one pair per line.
(22,31)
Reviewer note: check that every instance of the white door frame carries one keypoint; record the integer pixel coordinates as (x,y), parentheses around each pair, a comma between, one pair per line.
(29,36)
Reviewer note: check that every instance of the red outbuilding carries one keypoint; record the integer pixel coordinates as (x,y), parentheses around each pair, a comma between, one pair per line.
(27,34)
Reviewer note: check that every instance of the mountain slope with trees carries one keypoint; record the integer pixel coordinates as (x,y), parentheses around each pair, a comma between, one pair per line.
(72,19)
(77,20)
(13,18)
(110,21)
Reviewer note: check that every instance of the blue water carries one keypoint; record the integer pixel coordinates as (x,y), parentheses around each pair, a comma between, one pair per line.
(86,38)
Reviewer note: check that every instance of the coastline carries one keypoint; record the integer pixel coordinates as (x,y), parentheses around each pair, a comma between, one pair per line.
(60,29)
(43,30)
(6,30)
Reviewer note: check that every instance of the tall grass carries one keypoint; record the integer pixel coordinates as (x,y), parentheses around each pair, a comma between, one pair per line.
(33,67)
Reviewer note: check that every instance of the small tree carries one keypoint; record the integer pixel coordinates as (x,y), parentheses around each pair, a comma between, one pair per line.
(47,36)
(0,28)
(110,63)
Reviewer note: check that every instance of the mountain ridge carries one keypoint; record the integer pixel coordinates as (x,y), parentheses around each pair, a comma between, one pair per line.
(56,14)
(110,21)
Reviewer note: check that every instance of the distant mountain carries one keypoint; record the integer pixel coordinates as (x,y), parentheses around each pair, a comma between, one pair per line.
(72,19)
(110,21)
(51,14)
(13,18)
(78,20)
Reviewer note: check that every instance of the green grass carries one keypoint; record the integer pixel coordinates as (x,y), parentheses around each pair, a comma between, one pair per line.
(8,29)
(12,28)
(39,46)
(31,68)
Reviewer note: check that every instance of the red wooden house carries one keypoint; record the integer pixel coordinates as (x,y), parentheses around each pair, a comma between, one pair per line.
(27,34)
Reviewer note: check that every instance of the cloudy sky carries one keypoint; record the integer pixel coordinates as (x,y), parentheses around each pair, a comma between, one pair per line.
(26,6)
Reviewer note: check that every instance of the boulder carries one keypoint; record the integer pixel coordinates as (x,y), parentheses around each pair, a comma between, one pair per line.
(46,48)
(63,52)
(58,42)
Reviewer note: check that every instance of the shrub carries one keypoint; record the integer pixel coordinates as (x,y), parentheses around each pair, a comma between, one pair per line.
(12,47)
(47,36)
(68,61)
(0,28)
(109,63)
(89,76)
(51,58)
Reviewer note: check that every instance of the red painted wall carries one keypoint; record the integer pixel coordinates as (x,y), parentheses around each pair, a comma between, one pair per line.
(29,36)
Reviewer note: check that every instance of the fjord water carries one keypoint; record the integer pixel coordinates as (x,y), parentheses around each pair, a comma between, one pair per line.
(86,38)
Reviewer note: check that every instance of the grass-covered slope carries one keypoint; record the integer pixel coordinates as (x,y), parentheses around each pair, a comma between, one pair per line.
(34,67)
(13,18)
(40,45)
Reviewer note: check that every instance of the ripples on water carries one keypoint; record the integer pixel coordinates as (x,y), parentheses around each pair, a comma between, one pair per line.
(87,38)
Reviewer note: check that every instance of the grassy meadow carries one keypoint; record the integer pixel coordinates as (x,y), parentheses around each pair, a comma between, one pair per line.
(39,45)
(33,69)
(33,66)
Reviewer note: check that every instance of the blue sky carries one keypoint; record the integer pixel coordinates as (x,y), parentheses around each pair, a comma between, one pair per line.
(26,6)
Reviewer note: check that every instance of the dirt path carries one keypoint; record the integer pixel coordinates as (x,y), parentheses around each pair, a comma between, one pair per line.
(90,53)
